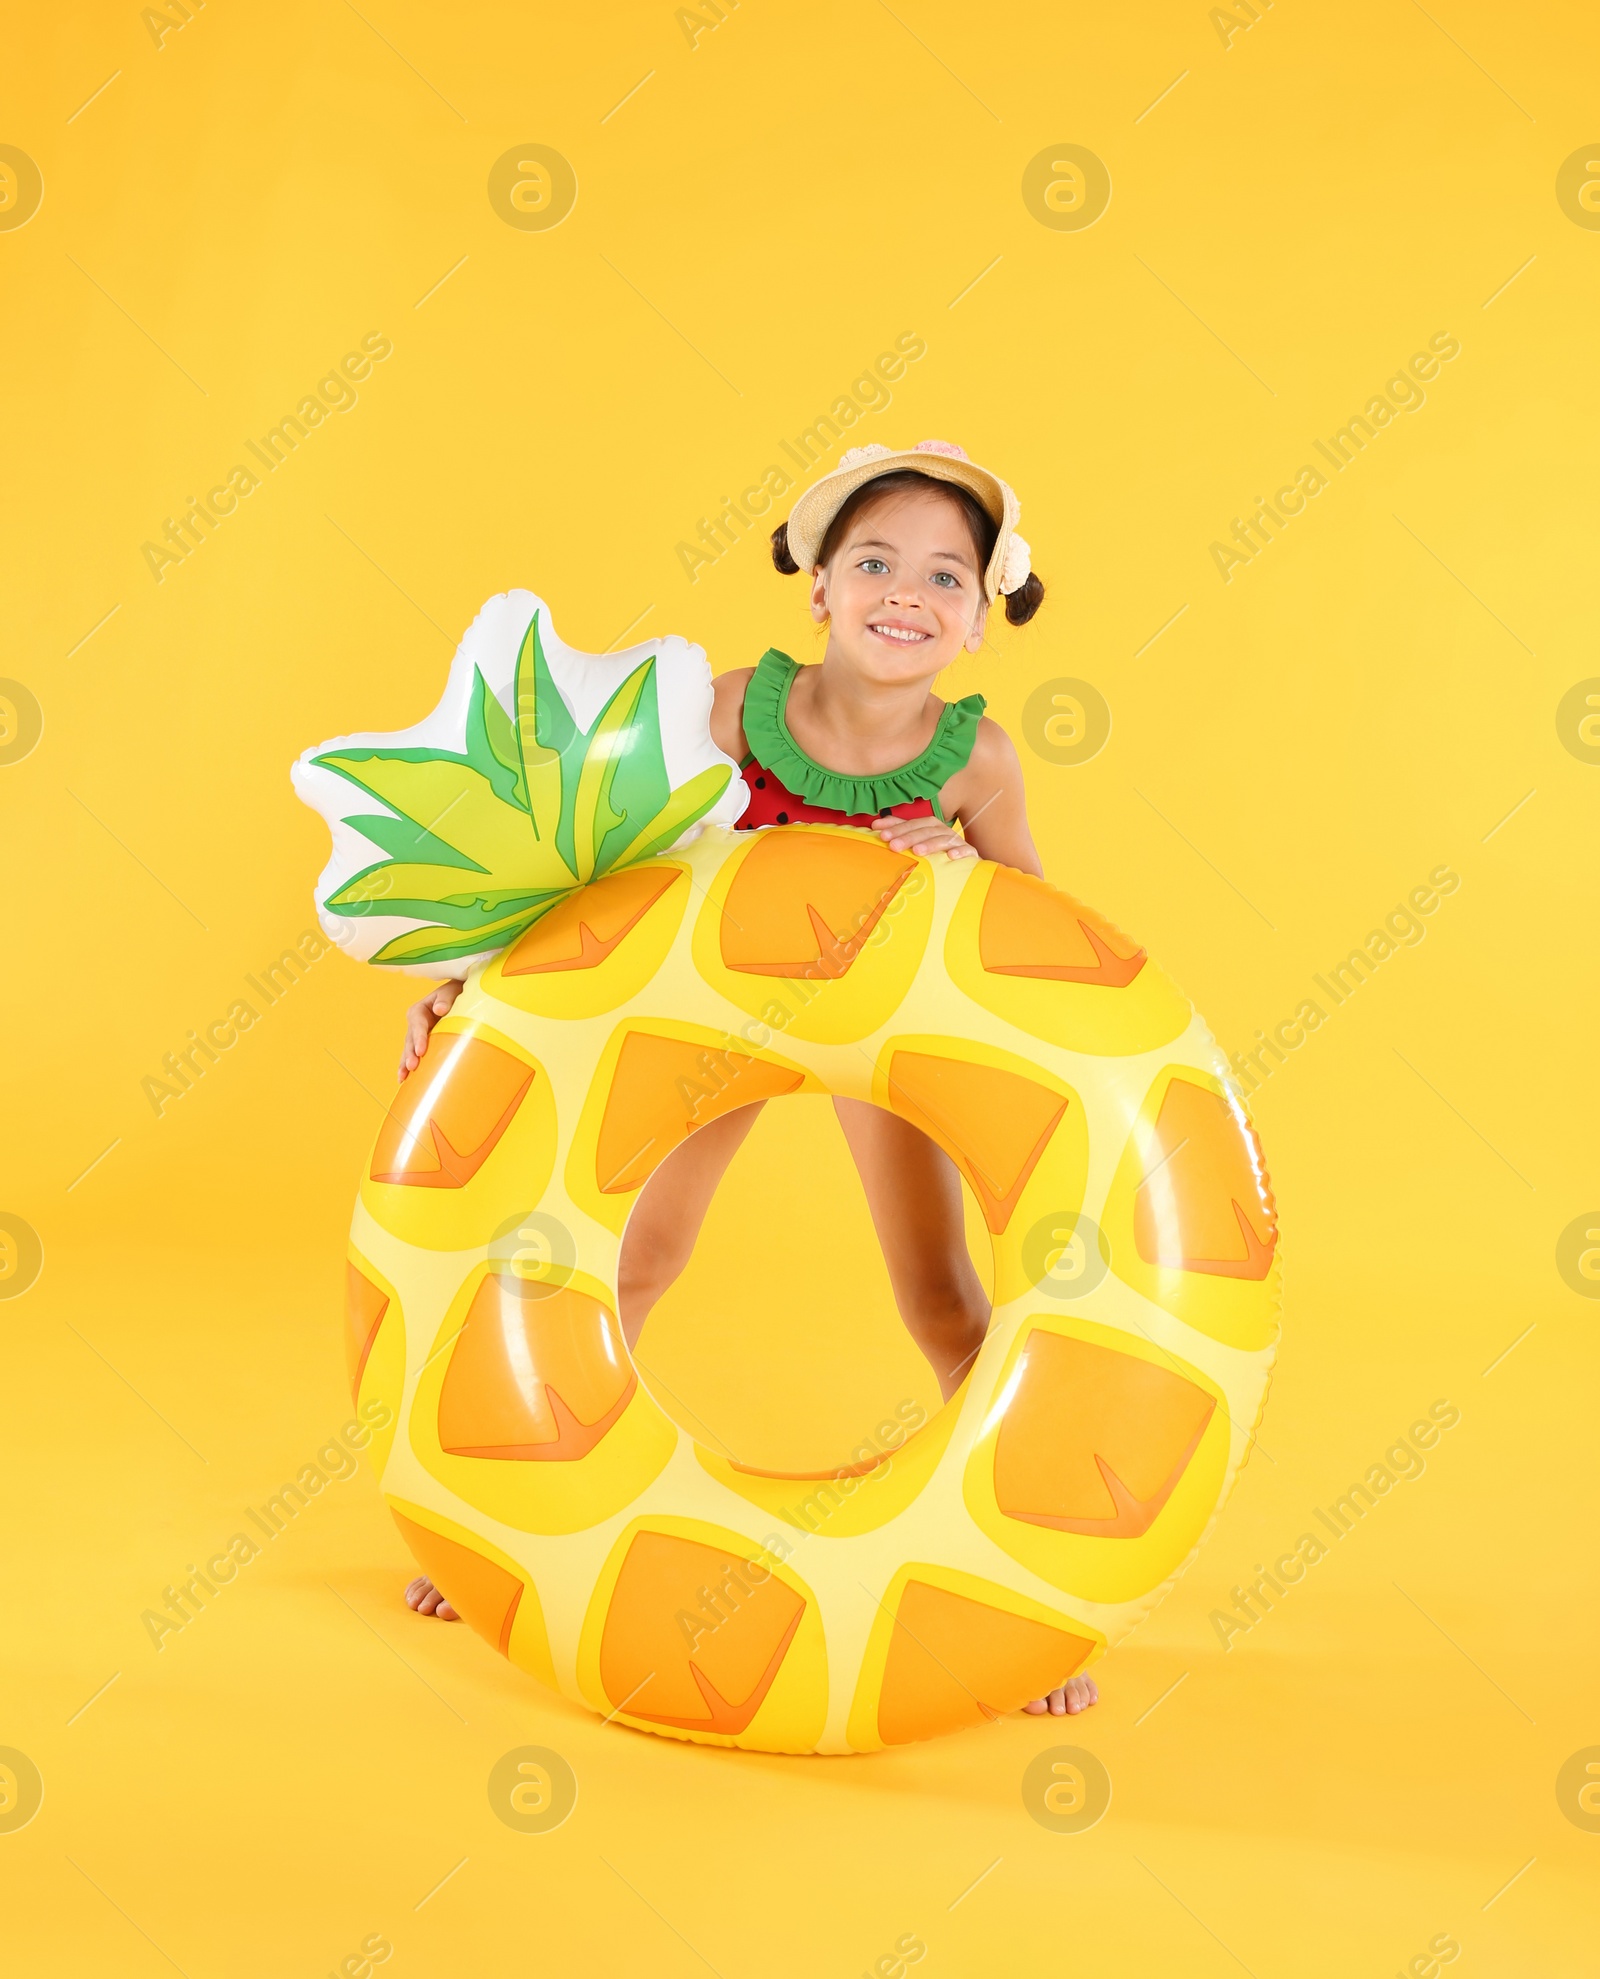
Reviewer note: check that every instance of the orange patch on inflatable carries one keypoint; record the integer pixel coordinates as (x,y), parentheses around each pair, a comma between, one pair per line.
(1094,1441)
(1201,1206)
(364,1307)
(483,1594)
(994,1124)
(536,1375)
(803,903)
(583,929)
(1030,929)
(955,1662)
(677,1662)
(661,1091)
(448,1117)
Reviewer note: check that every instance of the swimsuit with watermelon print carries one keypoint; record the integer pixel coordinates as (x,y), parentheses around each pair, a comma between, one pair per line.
(788,787)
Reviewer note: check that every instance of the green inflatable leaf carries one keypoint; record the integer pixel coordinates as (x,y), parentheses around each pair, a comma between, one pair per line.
(480,842)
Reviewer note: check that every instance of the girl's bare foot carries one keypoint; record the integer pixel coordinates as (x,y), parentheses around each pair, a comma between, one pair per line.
(427,1600)
(1075,1695)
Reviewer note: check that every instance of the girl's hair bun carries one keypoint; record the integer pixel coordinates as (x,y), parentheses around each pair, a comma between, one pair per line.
(1022,603)
(781,558)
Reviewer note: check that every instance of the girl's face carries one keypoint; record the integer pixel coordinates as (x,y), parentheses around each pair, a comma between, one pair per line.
(903,589)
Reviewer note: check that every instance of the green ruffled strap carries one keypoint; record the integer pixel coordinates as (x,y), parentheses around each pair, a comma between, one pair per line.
(774,748)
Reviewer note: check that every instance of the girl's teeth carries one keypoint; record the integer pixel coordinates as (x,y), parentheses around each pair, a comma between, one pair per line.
(891,632)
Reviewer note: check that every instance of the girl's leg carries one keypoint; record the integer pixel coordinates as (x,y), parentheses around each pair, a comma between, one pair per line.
(914,1193)
(667,1217)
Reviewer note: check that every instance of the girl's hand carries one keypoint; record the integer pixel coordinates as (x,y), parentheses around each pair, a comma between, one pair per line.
(420,1020)
(924,837)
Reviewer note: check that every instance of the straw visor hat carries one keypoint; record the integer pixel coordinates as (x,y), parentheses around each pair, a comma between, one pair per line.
(814,511)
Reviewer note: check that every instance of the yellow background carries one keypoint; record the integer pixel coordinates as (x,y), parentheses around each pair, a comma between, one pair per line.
(1304,207)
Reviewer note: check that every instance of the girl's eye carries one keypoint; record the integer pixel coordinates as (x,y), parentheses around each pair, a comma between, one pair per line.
(874,566)
(947,577)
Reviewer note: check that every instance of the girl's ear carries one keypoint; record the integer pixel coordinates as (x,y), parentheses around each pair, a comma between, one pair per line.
(974,639)
(819,596)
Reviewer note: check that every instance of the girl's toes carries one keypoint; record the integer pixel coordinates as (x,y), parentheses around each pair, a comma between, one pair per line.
(428,1600)
(1076,1695)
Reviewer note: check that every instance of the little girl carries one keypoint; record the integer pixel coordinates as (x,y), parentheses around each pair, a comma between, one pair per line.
(907,553)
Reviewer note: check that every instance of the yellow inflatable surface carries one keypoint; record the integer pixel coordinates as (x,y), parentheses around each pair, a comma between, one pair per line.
(1037,1517)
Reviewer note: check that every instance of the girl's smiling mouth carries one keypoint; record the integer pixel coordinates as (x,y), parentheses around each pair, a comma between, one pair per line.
(901,633)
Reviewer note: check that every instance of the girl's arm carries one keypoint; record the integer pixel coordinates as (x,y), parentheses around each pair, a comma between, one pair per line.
(727,712)
(989,803)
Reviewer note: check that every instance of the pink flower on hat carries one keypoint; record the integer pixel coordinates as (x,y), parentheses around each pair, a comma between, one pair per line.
(1018,565)
(854,456)
(940,447)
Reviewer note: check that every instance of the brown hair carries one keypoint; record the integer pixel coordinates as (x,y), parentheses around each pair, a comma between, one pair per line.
(1020,604)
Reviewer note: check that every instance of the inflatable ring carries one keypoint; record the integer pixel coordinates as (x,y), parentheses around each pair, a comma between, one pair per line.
(1025,1528)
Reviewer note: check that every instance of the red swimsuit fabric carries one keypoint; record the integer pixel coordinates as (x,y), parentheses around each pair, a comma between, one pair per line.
(772,804)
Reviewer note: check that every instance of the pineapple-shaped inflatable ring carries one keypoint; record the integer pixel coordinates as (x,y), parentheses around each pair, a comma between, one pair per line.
(558,832)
